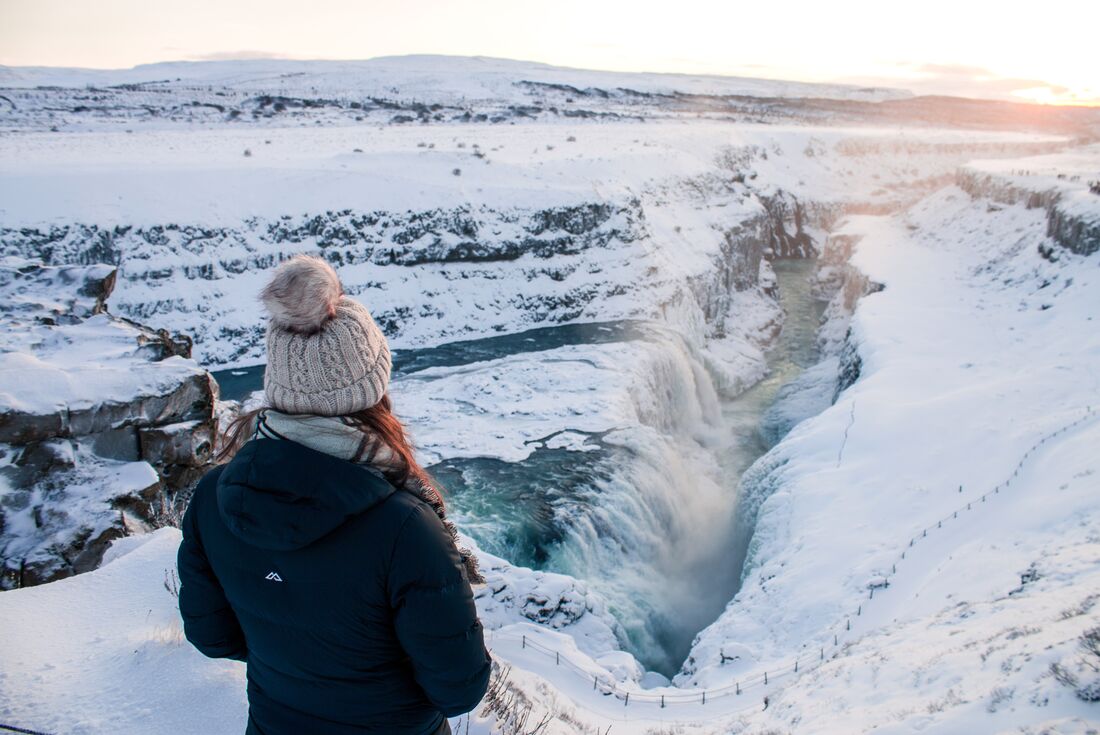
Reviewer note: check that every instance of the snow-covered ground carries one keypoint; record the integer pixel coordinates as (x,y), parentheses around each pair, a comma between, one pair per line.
(980,342)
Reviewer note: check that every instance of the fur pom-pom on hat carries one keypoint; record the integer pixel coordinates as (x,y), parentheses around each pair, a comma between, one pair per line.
(303,294)
(325,354)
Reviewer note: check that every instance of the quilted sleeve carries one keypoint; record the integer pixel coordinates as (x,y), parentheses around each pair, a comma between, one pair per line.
(434,615)
(208,621)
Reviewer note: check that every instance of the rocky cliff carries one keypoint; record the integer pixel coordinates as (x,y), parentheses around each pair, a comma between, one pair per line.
(422,271)
(102,421)
(1071,216)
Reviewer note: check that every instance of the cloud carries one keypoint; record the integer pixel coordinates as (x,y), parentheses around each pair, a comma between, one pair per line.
(237,55)
(953,70)
(961,80)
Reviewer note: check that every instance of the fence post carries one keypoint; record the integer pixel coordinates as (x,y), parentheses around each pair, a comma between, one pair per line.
(822,654)
(872,593)
(859,611)
(834,639)
(765,678)
(593,683)
(524,642)
(796,666)
(848,626)
(893,569)
(627,700)
(738,685)
(704,696)
(662,701)
(557,658)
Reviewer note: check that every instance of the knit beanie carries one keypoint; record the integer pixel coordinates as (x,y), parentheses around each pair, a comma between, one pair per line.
(325,354)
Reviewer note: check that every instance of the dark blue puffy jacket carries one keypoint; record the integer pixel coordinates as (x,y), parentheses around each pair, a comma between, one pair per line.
(346,597)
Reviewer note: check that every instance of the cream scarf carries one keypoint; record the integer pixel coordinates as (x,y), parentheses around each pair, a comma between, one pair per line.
(338,437)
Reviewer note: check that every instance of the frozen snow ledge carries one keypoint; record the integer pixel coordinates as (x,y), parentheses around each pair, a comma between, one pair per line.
(977,346)
(1066,185)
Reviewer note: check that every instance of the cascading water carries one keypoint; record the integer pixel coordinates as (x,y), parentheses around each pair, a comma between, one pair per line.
(637,518)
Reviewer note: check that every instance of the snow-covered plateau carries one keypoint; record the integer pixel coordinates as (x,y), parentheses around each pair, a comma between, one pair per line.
(768,407)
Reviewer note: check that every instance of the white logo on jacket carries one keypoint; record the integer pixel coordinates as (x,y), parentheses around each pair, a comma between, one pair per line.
(274,577)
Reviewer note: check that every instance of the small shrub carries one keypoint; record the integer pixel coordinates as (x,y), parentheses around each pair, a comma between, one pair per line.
(1094,187)
(1080,608)
(168,509)
(998,697)
(510,706)
(247,153)
(1087,664)
(457,172)
(172,583)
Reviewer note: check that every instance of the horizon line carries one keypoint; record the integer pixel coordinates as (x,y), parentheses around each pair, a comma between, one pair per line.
(266,56)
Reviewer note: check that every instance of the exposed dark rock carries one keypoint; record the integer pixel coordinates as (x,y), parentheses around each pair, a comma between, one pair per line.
(191,399)
(121,444)
(188,443)
(851,364)
(1072,231)
(785,211)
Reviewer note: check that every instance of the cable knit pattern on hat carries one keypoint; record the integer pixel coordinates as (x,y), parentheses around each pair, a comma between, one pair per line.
(325,354)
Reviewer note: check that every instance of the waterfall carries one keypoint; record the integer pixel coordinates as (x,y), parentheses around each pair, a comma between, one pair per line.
(639,516)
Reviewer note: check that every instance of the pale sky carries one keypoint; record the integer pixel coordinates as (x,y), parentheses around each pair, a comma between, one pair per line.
(1040,51)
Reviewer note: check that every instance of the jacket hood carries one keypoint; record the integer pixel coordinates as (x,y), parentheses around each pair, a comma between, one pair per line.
(281,495)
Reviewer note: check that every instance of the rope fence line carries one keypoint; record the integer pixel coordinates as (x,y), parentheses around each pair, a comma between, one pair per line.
(805,661)
(13,728)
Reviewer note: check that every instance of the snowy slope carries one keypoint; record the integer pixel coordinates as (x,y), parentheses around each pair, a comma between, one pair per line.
(420,76)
